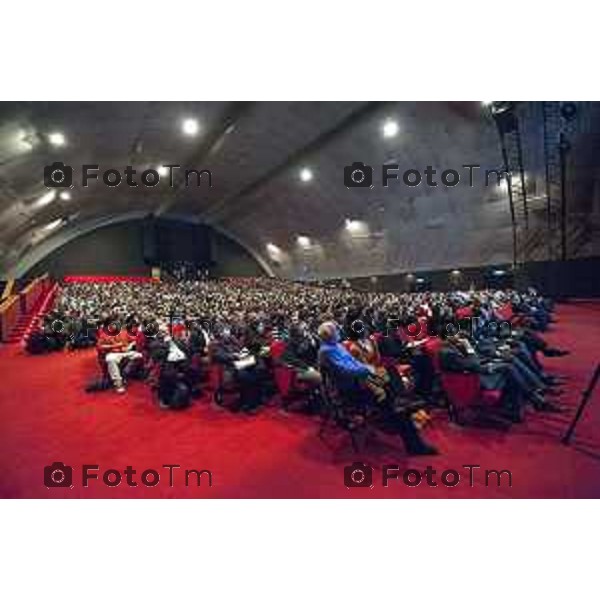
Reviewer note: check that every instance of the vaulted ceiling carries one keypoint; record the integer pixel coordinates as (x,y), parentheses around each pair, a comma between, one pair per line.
(301,223)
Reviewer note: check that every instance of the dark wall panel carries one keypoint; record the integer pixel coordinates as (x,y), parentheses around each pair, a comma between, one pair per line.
(125,249)
(149,241)
(229,258)
(112,250)
(573,278)
(576,278)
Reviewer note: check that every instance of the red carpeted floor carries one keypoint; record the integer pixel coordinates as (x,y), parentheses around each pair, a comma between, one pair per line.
(45,416)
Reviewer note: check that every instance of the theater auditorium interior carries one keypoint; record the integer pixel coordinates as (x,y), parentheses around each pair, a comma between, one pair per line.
(286,297)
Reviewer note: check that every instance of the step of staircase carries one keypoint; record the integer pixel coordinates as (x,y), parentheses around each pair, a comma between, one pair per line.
(29,321)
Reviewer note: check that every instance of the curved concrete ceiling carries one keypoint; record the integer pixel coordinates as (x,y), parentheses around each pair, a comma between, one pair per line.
(255,152)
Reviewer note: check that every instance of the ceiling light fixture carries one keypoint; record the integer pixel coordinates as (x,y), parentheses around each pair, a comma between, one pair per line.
(45,199)
(352,225)
(306,174)
(303,241)
(190,126)
(390,128)
(25,140)
(57,139)
(52,225)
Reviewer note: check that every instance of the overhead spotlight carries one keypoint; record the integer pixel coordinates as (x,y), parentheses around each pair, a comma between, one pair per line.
(306,174)
(515,179)
(390,128)
(57,139)
(52,225)
(303,241)
(65,195)
(356,228)
(45,199)
(190,126)
(25,141)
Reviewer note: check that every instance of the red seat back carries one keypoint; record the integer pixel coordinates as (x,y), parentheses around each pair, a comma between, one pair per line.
(432,348)
(284,379)
(464,312)
(415,331)
(462,389)
(277,349)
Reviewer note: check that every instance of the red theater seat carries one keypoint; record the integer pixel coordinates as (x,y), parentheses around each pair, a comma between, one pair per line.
(464,393)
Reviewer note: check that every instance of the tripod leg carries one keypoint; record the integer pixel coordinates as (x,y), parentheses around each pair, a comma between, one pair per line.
(584,400)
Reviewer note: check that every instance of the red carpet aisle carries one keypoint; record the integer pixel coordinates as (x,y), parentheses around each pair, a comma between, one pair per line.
(45,417)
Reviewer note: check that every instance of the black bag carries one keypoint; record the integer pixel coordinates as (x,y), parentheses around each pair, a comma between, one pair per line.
(37,343)
(99,385)
(173,391)
(181,396)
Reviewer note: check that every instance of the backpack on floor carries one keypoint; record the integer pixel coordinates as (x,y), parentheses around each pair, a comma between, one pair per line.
(177,396)
(37,343)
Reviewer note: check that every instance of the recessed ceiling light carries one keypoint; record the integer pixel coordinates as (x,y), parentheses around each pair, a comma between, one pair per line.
(65,195)
(190,126)
(45,199)
(25,140)
(306,174)
(351,225)
(52,225)
(57,139)
(390,128)
(303,241)
(355,227)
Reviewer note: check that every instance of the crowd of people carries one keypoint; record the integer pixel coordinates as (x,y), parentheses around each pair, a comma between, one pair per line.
(375,347)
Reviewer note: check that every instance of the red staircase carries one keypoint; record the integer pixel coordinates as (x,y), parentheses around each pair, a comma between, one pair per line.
(29,321)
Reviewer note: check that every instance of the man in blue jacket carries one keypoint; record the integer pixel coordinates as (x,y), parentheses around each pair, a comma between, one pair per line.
(351,376)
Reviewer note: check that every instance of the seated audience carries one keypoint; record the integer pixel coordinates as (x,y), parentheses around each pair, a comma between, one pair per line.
(235,322)
(359,382)
(116,343)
